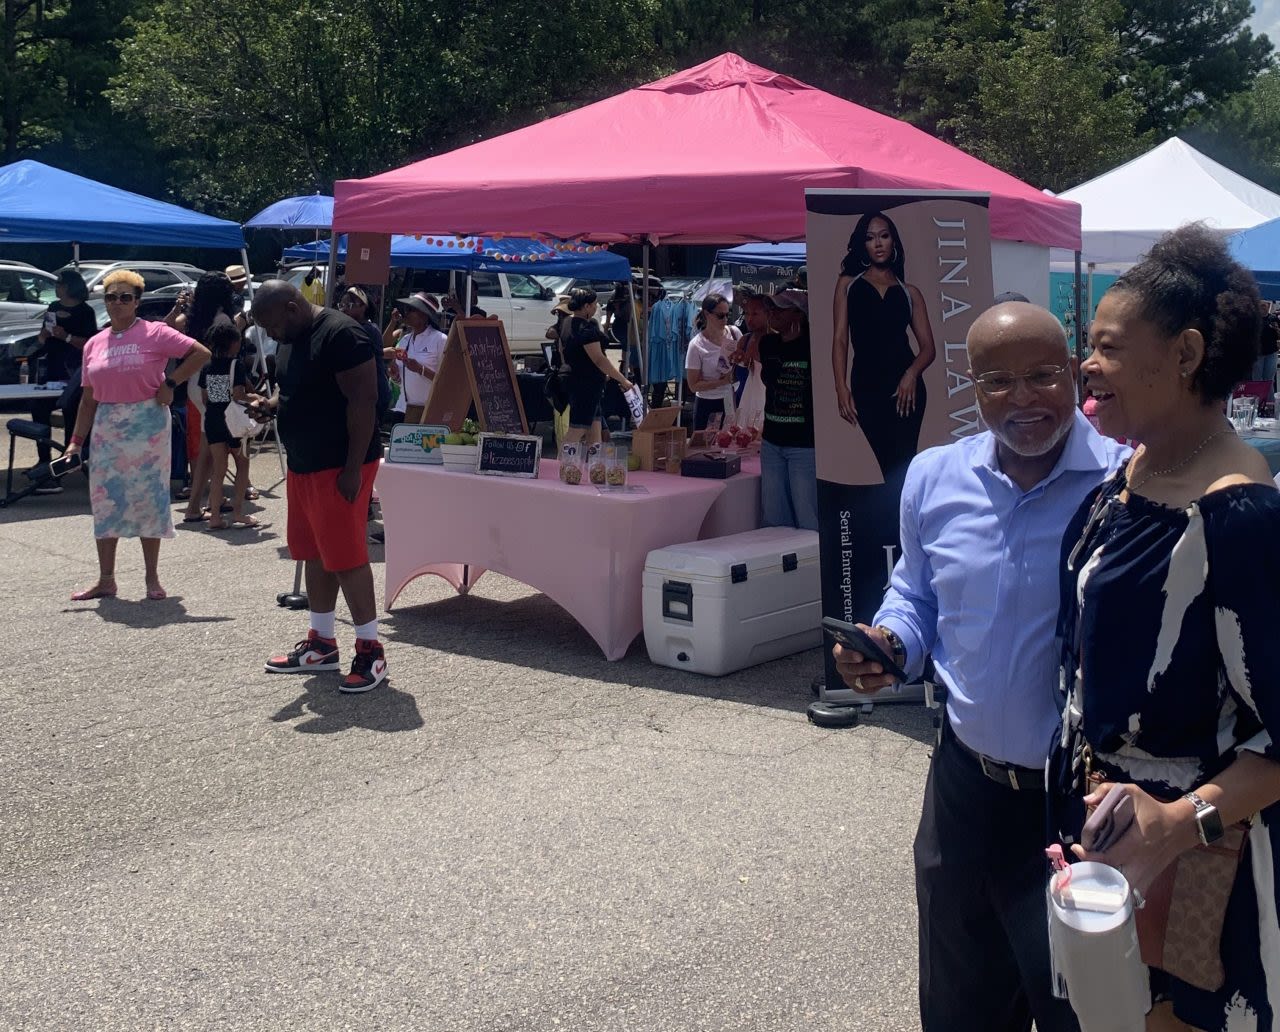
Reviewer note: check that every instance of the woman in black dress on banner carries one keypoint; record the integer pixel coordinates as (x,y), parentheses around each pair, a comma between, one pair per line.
(884,390)
(1170,664)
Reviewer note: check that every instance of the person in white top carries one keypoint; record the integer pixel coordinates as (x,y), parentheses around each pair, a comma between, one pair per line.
(414,339)
(709,361)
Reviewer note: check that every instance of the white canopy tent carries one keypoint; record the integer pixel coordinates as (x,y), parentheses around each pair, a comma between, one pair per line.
(1127,209)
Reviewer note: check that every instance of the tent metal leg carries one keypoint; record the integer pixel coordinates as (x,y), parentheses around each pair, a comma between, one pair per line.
(330,280)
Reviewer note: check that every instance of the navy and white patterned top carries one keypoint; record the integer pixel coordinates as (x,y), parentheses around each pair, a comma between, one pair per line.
(1171,669)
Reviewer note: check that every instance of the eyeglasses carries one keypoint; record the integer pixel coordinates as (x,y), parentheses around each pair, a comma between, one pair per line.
(123,299)
(349,302)
(999,382)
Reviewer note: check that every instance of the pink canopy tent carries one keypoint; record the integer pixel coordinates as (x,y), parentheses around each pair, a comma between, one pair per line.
(720,153)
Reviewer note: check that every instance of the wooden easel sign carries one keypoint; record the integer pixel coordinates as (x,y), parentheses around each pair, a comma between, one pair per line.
(476,368)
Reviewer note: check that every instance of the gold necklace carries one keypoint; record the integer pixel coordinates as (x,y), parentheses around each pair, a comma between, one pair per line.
(1177,466)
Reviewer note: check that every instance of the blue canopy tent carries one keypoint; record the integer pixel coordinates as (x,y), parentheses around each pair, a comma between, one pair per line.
(44,205)
(311,211)
(776,256)
(485,254)
(1258,250)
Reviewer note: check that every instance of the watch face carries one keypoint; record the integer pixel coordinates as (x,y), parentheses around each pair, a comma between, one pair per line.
(1210,822)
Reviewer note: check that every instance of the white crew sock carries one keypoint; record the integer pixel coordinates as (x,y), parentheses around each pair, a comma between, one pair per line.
(367,631)
(322,624)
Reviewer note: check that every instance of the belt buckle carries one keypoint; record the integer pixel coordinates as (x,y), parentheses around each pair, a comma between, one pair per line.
(998,772)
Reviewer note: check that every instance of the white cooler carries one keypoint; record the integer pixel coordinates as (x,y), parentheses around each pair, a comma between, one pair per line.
(720,605)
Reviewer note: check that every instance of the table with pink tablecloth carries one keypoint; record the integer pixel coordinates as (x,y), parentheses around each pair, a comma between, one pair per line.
(584,548)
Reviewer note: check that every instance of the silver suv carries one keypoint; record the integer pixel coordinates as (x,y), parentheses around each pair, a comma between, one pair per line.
(25,292)
(155,275)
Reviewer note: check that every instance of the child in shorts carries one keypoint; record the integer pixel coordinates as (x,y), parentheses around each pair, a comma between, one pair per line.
(224,382)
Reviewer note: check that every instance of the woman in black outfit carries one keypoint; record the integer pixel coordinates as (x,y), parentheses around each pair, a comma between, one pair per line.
(1169,597)
(884,391)
(588,368)
(68,323)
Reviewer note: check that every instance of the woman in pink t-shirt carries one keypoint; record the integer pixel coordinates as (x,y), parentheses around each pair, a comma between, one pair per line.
(126,404)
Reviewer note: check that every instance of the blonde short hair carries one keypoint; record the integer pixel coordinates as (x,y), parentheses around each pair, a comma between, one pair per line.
(124,276)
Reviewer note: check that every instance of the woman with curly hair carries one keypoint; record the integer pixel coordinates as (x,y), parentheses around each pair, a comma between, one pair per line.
(1169,597)
(126,405)
(879,379)
(214,299)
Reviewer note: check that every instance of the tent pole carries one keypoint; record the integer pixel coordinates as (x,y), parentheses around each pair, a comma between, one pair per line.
(75,254)
(633,336)
(644,310)
(466,305)
(248,273)
(331,275)
(1079,349)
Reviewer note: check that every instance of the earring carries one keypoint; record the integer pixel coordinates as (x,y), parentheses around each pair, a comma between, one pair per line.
(895,255)
(866,263)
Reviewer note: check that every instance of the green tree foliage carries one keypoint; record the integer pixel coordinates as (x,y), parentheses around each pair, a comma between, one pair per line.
(230,107)
(1181,58)
(1244,133)
(59,56)
(273,97)
(1033,88)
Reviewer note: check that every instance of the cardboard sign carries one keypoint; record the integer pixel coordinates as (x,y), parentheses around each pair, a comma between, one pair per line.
(476,369)
(368,258)
(417,443)
(509,455)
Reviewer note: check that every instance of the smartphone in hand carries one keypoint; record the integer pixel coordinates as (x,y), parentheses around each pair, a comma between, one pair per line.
(65,464)
(855,638)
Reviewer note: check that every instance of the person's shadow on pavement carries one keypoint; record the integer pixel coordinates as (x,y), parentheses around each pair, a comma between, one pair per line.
(331,711)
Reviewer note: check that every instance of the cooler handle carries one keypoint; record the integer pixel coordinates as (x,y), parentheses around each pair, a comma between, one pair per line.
(790,562)
(677,601)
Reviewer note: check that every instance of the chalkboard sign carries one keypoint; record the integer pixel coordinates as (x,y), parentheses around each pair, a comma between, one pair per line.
(476,368)
(509,455)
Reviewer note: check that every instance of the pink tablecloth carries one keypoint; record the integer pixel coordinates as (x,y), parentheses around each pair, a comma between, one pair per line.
(582,548)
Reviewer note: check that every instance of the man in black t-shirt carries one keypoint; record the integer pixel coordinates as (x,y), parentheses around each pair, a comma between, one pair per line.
(327,417)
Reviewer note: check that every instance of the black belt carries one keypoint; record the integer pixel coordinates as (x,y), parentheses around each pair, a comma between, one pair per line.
(1020,779)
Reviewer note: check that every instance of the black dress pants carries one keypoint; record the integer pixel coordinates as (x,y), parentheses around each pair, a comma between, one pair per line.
(980,881)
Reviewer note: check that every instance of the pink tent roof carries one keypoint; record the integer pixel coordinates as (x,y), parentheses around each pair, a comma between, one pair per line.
(720,153)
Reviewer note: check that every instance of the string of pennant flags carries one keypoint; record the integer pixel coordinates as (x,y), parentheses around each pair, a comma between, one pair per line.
(478,246)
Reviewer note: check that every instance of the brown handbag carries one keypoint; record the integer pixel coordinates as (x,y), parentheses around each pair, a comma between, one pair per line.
(1180,924)
(1183,912)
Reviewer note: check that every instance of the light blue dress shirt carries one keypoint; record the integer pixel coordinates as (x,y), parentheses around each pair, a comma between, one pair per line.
(978,585)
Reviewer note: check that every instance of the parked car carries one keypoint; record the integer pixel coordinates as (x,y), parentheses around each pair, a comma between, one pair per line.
(155,275)
(25,292)
(19,339)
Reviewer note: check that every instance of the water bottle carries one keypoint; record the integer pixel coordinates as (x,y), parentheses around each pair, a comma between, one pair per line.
(1093,942)
(42,368)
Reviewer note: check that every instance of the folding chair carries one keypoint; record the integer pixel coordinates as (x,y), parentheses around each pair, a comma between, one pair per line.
(26,430)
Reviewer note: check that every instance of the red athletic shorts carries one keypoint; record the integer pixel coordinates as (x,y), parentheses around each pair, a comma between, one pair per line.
(323,525)
(194,429)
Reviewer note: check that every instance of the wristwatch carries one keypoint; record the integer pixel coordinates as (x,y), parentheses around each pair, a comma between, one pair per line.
(1208,820)
(895,644)
(169,382)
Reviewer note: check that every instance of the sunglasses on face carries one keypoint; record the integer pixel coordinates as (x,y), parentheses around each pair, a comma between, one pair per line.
(123,299)
(999,383)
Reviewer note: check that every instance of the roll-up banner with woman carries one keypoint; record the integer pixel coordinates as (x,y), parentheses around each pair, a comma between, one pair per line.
(895,281)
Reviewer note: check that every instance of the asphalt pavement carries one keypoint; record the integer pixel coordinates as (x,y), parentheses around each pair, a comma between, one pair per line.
(513,835)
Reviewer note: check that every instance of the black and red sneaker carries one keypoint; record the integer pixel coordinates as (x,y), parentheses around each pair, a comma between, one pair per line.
(368,669)
(312,655)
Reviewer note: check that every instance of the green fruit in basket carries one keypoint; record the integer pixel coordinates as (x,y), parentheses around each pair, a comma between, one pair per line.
(468,438)
(454,439)
(633,462)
